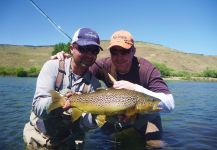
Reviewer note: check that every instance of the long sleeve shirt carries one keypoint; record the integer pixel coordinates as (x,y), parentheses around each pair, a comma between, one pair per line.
(46,83)
(144,74)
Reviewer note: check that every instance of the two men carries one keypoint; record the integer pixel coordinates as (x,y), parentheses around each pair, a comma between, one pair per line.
(137,74)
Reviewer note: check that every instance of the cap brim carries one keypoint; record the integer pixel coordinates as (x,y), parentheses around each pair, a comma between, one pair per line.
(86,43)
(121,44)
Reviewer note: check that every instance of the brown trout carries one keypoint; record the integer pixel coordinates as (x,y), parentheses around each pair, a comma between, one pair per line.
(109,102)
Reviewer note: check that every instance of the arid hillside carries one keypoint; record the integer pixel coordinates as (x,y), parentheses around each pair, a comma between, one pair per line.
(35,56)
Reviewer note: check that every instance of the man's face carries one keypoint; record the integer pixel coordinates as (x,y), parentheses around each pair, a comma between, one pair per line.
(122,58)
(84,56)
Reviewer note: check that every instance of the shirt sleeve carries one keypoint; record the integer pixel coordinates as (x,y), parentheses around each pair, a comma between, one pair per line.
(155,82)
(45,83)
(167,102)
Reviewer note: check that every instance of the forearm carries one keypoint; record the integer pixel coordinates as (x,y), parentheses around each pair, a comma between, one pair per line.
(167,101)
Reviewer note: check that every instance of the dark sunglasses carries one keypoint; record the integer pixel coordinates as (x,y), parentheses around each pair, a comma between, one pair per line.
(90,48)
(122,51)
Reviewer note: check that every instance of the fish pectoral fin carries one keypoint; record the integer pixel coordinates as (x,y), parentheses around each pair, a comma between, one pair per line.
(151,128)
(131,112)
(75,114)
(56,101)
(100,120)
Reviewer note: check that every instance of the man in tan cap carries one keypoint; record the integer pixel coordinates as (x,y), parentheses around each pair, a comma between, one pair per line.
(136,74)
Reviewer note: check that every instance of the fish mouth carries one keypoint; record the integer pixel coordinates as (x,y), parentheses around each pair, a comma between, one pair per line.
(156,108)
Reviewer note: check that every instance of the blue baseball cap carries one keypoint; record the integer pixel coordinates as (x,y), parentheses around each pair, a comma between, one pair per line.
(85,37)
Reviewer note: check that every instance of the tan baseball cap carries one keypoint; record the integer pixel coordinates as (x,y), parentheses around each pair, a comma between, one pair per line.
(121,38)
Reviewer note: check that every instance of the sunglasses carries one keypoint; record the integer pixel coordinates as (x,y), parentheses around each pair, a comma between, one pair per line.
(122,51)
(90,48)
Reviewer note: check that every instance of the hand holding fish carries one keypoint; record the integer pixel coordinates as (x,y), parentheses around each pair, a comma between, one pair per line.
(122,84)
(67,101)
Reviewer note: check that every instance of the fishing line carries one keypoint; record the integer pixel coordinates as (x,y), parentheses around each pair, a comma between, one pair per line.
(58,28)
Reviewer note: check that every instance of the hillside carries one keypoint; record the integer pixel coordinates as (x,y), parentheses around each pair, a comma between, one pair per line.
(29,56)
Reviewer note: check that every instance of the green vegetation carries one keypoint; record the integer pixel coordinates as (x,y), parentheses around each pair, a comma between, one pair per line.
(61,47)
(19,72)
(209,73)
(165,71)
(169,72)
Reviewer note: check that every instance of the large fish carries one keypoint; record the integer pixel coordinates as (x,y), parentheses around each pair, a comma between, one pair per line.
(108,102)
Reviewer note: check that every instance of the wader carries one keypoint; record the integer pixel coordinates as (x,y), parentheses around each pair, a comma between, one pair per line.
(121,134)
(57,131)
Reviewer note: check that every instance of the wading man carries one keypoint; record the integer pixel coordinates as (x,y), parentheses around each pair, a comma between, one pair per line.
(55,130)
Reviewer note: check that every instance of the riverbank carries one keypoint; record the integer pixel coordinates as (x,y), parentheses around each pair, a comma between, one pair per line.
(206,79)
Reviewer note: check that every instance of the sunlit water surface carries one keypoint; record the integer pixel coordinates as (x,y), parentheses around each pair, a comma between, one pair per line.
(192,125)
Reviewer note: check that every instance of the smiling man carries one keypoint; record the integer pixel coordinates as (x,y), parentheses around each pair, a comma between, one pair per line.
(134,74)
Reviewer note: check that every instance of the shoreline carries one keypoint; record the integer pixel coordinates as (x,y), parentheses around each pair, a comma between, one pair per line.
(207,79)
(198,79)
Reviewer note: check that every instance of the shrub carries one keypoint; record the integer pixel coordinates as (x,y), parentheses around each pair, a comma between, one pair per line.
(180,74)
(21,72)
(33,72)
(165,71)
(210,73)
(61,47)
(7,71)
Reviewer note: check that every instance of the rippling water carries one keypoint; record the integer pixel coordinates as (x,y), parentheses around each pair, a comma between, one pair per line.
(192,125)
(16,96)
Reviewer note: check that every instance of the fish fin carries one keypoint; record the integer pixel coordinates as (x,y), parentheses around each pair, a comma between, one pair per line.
(131,112)
(75,114)
(57,101)
(100,120)
(151,128)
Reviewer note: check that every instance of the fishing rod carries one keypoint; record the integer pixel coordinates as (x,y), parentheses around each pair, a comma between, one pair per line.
(58,28)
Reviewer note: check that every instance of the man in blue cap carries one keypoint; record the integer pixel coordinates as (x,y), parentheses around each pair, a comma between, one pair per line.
(55,130)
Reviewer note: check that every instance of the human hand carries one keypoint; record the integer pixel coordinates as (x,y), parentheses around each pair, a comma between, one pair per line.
(122,84)
(60,56)
(67,100)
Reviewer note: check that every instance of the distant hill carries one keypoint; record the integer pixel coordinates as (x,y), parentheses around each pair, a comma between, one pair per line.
(34,56)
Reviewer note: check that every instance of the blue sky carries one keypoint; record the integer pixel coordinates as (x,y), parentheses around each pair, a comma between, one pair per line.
(186,25)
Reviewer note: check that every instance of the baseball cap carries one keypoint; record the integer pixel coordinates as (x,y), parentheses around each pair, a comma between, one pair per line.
(121,38)
(85,37)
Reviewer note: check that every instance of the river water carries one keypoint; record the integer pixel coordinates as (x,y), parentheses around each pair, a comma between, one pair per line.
(192,125)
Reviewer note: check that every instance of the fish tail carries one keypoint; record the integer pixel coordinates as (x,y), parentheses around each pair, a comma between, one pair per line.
(57,101)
